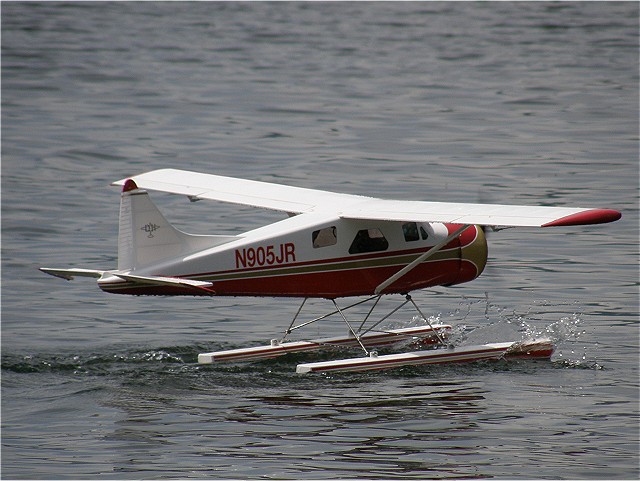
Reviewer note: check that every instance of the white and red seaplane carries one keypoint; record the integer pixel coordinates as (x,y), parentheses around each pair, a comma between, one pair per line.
(329,246)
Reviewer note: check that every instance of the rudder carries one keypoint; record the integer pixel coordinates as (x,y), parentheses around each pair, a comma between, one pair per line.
(146,237)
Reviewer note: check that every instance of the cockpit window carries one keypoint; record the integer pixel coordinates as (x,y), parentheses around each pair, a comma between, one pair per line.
(324,237)
(412,232)
(368,240)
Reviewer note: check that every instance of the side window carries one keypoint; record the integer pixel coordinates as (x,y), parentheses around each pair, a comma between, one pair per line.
(324,237)
(368,240)
(410,231)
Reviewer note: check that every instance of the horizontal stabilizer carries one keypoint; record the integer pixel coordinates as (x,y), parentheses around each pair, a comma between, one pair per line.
(164,281)
(70,274)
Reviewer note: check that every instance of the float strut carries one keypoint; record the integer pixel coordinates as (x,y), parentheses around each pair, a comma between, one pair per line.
(410,299)
(289,329)
(356,336)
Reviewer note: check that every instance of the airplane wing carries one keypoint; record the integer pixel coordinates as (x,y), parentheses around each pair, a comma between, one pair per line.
(297,200)
(285,198)
(480,214)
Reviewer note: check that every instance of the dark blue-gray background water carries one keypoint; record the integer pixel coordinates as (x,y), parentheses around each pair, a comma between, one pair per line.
(524,103)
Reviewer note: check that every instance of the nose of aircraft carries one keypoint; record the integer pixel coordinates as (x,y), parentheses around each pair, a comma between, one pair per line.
(473,254)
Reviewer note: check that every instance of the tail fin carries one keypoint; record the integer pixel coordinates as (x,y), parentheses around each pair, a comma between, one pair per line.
(147,238)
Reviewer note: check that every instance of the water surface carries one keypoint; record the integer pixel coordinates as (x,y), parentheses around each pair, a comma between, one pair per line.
(526,103)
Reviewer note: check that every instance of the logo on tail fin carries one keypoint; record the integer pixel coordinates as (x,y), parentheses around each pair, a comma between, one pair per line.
(150,228)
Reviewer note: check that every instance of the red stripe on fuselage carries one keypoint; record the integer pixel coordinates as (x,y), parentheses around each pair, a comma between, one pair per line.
(331,284)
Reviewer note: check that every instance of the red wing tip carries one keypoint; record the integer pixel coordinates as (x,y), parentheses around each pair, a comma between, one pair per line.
(587,217)
(129,185)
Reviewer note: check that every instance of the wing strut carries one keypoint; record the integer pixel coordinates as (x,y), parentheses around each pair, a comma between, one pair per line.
(420,259)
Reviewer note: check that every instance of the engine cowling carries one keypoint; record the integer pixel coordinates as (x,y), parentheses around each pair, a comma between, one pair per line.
(473,253)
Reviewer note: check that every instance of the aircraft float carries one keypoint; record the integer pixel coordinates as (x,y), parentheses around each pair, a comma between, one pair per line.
(329,246)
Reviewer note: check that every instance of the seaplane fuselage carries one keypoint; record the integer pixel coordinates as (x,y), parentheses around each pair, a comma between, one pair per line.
(300,257)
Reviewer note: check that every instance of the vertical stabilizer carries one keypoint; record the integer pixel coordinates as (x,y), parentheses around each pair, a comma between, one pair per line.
(147,238)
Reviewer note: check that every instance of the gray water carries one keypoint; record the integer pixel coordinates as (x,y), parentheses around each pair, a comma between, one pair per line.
(524,103)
